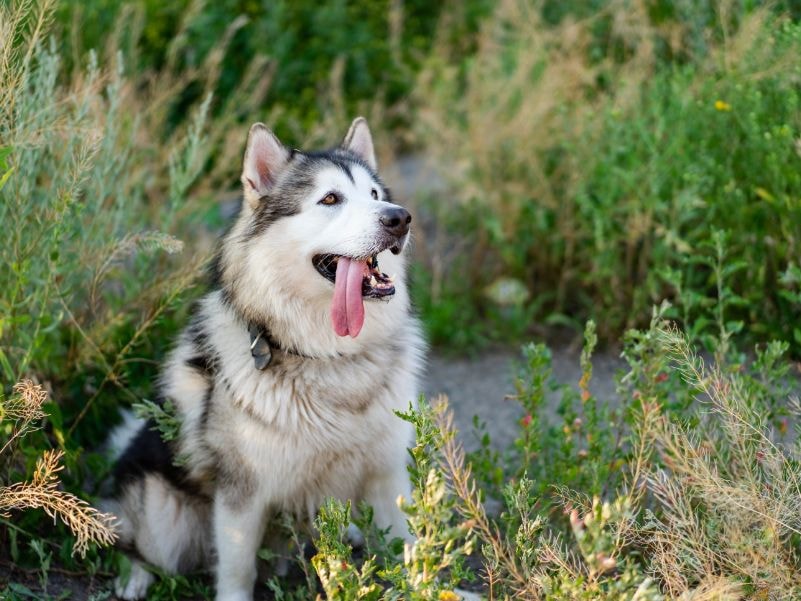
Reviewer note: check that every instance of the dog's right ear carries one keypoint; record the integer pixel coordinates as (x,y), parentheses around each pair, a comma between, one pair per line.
(360,141)
(265,157)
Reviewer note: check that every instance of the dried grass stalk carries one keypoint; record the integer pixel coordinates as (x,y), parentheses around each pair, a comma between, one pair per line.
(24,408)
(88,525)
(42,492)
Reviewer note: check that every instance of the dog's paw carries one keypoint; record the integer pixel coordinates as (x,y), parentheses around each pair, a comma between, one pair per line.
(234,596)
(355,536)
(135,586)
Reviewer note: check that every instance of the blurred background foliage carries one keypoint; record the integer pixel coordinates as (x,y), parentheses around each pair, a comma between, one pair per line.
(369,51)
(588,149)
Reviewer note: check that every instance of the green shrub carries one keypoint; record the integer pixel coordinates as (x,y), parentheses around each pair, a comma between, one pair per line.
(596,182)
(93,200)
(351,57)
(695,496)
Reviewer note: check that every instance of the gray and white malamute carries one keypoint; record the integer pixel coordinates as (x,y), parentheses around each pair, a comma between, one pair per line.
(286,379)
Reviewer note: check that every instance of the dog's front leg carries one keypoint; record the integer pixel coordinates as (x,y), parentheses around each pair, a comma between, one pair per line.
(381,492)
(238,531)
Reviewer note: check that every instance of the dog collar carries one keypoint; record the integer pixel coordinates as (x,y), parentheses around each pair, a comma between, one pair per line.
(263,345)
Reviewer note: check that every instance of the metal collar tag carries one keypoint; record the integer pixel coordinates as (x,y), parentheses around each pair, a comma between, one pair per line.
(260,348)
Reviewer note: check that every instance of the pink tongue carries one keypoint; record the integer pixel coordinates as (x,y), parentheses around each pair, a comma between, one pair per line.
(347,307)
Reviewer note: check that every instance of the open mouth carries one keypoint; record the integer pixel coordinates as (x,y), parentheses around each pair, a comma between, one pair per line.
(375,283)
(354,280)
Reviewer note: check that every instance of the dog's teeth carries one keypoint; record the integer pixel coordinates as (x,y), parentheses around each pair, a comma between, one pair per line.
(373,281)
(391,278)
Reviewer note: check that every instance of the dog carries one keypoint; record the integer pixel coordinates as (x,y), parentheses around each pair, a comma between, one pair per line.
(286,378)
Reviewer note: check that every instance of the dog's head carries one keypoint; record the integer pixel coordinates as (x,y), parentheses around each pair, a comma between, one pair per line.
(319,243)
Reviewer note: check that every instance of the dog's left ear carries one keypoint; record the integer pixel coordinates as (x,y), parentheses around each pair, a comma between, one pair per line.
(265,157)
(360,141)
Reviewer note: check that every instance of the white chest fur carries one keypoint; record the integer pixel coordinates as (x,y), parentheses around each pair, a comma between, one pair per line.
(301,429)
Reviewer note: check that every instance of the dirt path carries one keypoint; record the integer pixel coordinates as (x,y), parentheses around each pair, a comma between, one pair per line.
(479,385)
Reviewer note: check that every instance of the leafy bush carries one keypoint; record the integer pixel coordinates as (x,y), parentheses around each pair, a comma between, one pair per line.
(594,182)
(92,202)
(697,500)
(357,56)
(432,565)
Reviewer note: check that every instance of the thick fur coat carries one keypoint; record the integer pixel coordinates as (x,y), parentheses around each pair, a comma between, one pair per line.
(317,420)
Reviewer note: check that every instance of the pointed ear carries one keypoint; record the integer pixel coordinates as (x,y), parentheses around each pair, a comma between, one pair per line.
(359,140)
(265,157)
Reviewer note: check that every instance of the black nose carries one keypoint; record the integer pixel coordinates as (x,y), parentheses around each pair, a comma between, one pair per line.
(395,220)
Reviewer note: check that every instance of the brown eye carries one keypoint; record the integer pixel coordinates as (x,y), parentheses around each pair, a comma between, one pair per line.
(374,194)
(330,199)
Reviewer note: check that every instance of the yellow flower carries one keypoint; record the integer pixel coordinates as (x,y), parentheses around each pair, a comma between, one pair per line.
(720,105)
(448,596)
(764,194)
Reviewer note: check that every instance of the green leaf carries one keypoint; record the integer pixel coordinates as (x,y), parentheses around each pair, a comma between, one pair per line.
(22,590)
(5,152)
(8,372)
(4,177)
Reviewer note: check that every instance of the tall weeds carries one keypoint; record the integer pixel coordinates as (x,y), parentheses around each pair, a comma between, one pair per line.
(98,180)
(706,505)
(588,157)
(23,412)
(727,490)
(97,195)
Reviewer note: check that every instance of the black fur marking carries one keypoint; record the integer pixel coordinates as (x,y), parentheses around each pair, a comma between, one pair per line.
(342,158)
(149,453)
(270,209)
(342,166)
(227,297)
(387,196)
(205,362)
(202,364)
(197,334)
(204,416)
(215,270)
